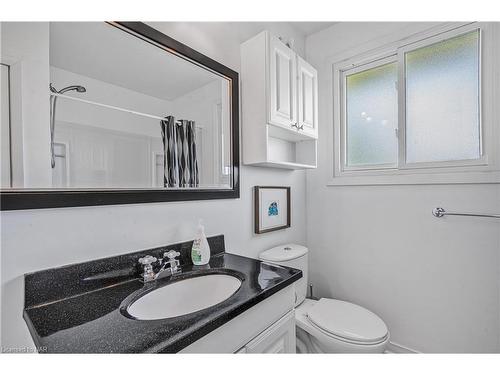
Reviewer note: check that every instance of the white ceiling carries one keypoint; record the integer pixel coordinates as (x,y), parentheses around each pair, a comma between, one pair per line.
(105,53)
(308,28)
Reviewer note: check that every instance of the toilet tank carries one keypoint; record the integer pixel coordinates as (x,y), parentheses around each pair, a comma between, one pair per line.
(290,255)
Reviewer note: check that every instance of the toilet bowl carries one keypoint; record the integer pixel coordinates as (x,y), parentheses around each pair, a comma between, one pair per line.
(340,327)
(328,325)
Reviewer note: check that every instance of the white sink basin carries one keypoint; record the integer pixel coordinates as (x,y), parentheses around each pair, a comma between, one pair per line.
(184,297)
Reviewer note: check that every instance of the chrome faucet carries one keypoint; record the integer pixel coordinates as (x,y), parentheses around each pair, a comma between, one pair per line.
(168,267)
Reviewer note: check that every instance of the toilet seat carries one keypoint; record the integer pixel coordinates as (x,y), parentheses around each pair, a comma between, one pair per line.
(347,322)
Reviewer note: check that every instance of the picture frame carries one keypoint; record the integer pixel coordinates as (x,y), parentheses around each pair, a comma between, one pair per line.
(272,208)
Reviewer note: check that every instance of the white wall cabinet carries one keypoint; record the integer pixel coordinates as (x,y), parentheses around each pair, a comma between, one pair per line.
(279,95)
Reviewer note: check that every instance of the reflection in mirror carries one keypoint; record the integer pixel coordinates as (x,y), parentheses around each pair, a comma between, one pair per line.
(5,128)
(95,107)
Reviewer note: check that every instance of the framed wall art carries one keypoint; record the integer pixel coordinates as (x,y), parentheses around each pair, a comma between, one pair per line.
(272,208)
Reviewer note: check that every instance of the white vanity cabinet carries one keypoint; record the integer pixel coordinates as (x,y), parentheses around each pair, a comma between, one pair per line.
(279,338)
(268,327)
(279,96)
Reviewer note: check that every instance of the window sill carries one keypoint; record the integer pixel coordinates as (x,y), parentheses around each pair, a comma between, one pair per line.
(489,177)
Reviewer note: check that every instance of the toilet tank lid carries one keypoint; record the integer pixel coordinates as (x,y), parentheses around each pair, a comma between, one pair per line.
(283,253)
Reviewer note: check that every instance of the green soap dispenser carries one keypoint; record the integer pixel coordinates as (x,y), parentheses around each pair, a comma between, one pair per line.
(200,252)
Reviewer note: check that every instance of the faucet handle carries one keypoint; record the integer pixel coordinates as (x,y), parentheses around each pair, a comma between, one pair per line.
(147,260)
(175,265)
(171,255)
(148,273)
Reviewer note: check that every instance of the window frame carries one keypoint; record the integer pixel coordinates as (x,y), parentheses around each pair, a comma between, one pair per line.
(357,68)
(456,171)
(482,160)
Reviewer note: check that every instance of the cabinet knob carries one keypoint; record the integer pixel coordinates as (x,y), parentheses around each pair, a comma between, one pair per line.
(296,125)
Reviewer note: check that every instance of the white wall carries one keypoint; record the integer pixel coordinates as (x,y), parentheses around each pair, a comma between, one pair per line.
(4,127)
(121,144)
(106,93)
(37,239)
(25,48)
(434,282)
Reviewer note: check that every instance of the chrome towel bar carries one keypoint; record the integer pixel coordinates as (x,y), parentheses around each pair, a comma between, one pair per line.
(440,212)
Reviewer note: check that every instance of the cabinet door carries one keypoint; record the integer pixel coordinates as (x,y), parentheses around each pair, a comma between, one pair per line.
(307,97)
(279,338)
(282,84)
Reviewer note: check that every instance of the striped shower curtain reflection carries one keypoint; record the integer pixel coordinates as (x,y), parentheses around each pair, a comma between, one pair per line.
(180,162)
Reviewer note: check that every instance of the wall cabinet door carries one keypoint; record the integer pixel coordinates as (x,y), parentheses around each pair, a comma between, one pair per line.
(282,84)
(307,95)
(279,338)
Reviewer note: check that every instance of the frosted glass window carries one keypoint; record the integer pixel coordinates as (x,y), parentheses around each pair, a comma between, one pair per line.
(372,116)
(442,101)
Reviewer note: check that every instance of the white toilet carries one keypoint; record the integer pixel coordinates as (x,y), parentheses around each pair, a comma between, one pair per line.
(328,325)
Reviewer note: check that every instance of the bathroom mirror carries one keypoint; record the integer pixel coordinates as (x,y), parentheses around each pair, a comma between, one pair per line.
(112,113)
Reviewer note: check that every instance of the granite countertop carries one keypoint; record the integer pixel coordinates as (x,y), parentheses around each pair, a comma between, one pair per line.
(86,313)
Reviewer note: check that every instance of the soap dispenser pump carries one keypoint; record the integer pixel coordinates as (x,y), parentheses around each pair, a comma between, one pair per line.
(200,252)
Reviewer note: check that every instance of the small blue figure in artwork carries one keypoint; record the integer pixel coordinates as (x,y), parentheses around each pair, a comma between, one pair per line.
(273,209)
